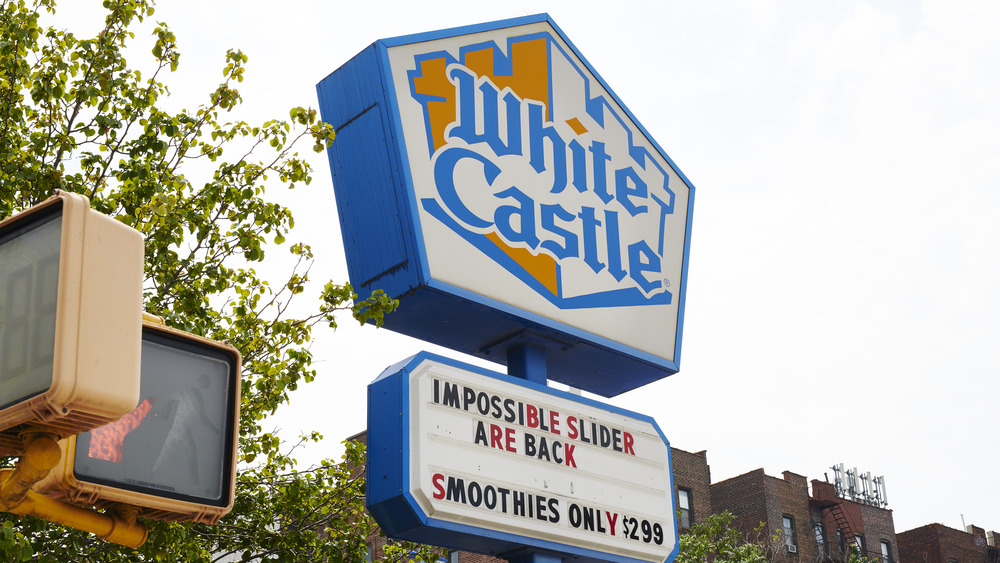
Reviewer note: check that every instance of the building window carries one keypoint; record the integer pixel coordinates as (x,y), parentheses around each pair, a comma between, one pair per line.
(841,541)
(788,523)
(684,511)
(862,546)
(820,531)
(886,551)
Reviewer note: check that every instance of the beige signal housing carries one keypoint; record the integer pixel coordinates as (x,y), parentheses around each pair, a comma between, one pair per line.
(66,482)
(95,360)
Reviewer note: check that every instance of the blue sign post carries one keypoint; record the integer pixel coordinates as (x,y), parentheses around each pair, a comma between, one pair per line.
(527,362)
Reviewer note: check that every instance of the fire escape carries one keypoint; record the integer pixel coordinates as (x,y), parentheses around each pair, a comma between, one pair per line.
(848,532)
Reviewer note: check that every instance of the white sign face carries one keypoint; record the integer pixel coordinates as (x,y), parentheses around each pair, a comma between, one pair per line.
(492,454)
(534,187)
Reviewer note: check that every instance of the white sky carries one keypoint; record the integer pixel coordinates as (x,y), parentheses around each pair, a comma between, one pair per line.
(842,302)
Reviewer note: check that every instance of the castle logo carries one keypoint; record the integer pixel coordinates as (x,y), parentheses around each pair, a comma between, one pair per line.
(536,166)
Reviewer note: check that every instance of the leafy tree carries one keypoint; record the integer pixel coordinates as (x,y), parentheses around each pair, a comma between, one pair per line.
(857,557)
(717,541)
(74,116)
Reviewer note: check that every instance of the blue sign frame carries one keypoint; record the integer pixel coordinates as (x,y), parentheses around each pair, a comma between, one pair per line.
(385,249)
(388,470)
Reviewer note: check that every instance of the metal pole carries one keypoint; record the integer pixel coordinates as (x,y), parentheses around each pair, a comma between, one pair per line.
(528,361)
(107,526)
(41,454)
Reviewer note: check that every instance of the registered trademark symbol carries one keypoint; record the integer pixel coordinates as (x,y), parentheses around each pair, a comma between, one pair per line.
(666,282)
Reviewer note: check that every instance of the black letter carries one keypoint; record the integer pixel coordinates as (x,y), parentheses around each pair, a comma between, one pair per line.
(451,395)
(605,436)
(456,490)
(503,498)
(475,494)
(468,397)
(574,515)
(481,434)
(543,449)
(483,404)
(540,508)
(508,406)
(518,503)
(588,519)
(490,497)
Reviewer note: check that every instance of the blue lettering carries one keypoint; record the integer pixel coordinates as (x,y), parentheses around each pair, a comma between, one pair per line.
(628,184)
(527,217)
(613,238)
(641,259)
(571,247)
(525,213)
(491,120)
(537,133)
(444,177)
(465,129)
(590,224)
(601,160)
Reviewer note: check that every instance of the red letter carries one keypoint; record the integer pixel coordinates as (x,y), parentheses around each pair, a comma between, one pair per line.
(629,440)
(532,416)
(568,449)
(613,519)
(437,479)
(496,435)
(554,422)
(571,423)
(510,441)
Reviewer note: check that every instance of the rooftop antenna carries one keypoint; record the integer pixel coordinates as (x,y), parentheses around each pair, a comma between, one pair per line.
(852,483)
(838,480)
(881,499)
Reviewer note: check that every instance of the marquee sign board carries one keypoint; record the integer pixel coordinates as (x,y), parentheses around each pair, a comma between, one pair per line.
(470,459)
(489,178)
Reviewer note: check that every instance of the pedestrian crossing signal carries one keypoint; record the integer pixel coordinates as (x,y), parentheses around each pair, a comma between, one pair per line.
(70,320)
(174,455)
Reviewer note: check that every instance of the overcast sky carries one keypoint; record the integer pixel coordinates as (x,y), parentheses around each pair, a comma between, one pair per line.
(842,301)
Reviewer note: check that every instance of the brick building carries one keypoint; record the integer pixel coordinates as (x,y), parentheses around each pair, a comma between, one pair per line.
(800,521)
(692,486)
(935,543)
(763,505)
(795,524)
(847,522)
